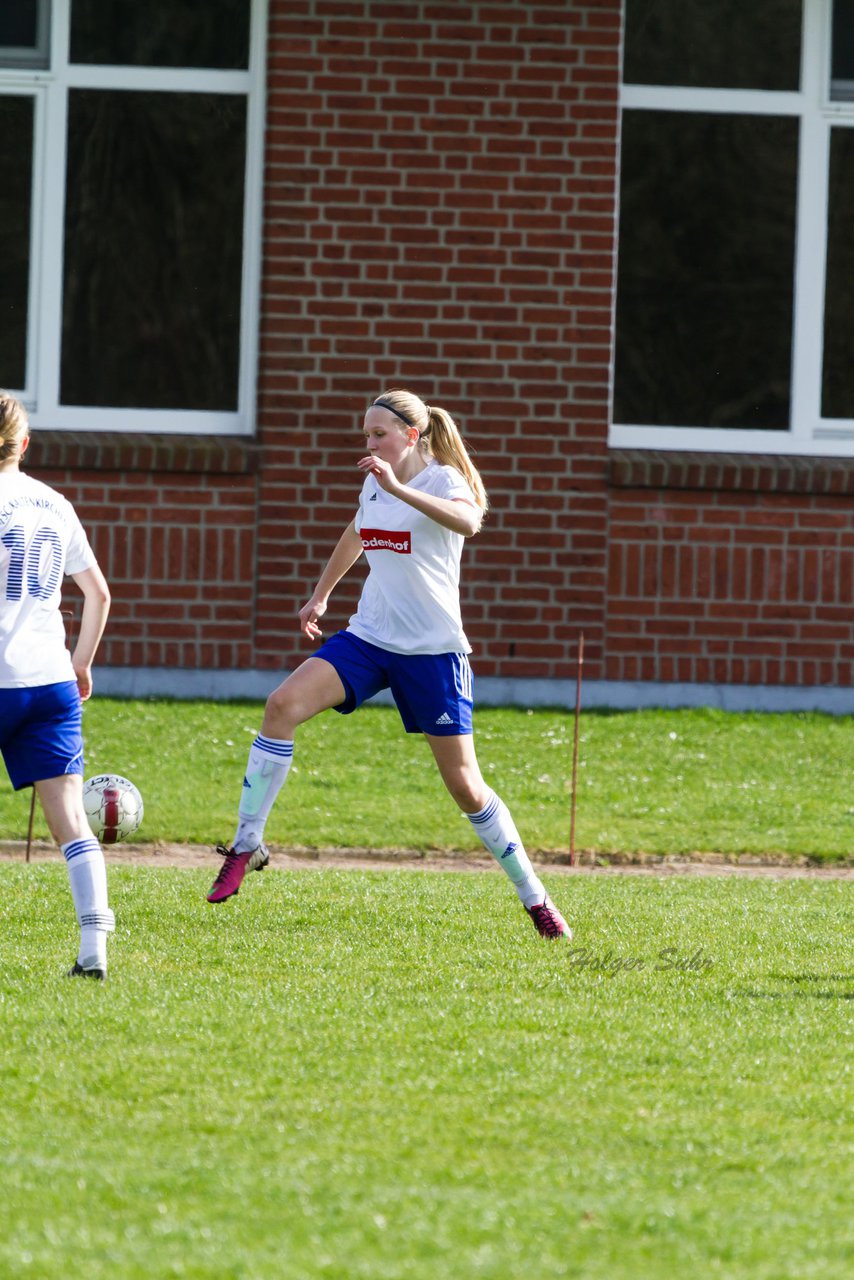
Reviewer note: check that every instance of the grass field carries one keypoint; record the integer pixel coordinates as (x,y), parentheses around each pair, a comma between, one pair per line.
(388,1075)
(659,782)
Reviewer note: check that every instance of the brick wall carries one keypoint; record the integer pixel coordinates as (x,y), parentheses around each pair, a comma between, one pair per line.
(440,214)
(733,570)
(173,523)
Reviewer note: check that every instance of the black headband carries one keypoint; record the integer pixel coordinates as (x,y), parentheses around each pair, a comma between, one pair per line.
(384,404)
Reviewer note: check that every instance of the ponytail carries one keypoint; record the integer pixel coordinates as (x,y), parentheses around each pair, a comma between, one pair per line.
(445,443)
(439,436)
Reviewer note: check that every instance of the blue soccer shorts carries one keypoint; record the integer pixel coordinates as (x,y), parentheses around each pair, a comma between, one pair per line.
(41,732)
(432,691)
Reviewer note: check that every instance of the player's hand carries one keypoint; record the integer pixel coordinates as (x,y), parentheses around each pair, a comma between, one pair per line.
(84,681)
(308,618)
(381,470)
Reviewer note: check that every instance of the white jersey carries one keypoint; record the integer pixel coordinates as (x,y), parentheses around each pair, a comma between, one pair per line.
(411,599)
(41,540)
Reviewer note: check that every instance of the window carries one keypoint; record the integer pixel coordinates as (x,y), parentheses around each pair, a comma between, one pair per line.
(152,250)
(16,155)
(130,213)
(842,53)
(24,33)
(161,33)
(722,45)
(706,294)
(734,315)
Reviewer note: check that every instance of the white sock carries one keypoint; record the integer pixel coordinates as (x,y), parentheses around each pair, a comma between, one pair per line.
(266,770)
(497,830)
(88,878)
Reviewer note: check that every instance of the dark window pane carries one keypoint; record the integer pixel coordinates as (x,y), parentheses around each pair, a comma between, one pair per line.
(837,389)
(24,33)
(161,33)
(16,165)
(842,51)
(153,250)
(18,23)
(706,263)
(732,44)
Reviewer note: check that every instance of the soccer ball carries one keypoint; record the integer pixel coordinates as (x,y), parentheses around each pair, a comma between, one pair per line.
(113,806)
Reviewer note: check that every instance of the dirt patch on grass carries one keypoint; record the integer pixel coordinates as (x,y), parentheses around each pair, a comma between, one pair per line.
(161,854)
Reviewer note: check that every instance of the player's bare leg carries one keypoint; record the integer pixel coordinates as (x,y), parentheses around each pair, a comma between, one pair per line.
(492,822)
(62,801)
(315,686)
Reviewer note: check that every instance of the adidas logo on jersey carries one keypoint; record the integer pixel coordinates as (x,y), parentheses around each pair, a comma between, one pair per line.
(444,718)
(372,498)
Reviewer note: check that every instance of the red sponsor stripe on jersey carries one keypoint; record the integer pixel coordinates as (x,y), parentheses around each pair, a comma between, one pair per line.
(386,540)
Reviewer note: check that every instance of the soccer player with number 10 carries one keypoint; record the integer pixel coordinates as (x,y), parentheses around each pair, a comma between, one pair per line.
(42,685)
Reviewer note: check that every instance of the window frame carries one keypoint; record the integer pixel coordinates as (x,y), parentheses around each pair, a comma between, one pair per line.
(50,87)
(809,433)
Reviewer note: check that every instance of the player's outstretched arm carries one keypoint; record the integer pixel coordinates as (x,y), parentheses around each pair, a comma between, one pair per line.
(346,553)
(96,607)
(456,514)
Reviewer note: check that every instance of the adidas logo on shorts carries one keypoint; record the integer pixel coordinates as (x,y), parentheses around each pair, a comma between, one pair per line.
(444,718)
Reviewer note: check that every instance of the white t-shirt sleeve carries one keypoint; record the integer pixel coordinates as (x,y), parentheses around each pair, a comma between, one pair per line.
(450,483)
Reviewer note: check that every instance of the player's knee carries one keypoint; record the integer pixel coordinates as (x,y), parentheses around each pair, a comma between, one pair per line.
(466,794)
(283,711)
(278,705)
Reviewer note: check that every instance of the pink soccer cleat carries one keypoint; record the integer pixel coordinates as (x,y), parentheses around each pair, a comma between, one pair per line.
(548,921)
(234,868)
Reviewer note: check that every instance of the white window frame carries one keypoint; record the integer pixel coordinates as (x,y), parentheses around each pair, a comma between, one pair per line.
(809,433)
(50,89)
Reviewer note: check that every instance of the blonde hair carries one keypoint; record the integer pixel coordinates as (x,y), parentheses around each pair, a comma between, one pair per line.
(14,425)
(439,436)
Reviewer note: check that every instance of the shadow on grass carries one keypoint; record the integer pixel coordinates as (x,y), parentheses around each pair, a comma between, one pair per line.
(798,995)
(803,989)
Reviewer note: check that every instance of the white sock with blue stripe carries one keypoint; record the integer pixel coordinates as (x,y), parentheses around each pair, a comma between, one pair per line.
(266,770)
(497,830)
(88,878)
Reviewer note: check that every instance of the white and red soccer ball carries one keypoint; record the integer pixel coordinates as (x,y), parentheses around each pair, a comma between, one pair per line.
(113,806)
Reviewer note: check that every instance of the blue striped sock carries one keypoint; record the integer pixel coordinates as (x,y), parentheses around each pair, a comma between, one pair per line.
(87,876)
(266,771)
(497,830)
(85,848)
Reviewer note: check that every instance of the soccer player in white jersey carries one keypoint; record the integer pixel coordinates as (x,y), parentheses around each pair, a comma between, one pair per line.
(42,685)
(421,498)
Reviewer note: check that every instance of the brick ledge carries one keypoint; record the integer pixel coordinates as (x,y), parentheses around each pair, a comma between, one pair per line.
(751,473)
(119,451)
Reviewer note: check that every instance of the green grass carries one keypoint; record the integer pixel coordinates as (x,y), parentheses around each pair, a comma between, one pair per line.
(656,782)
(388,1076)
